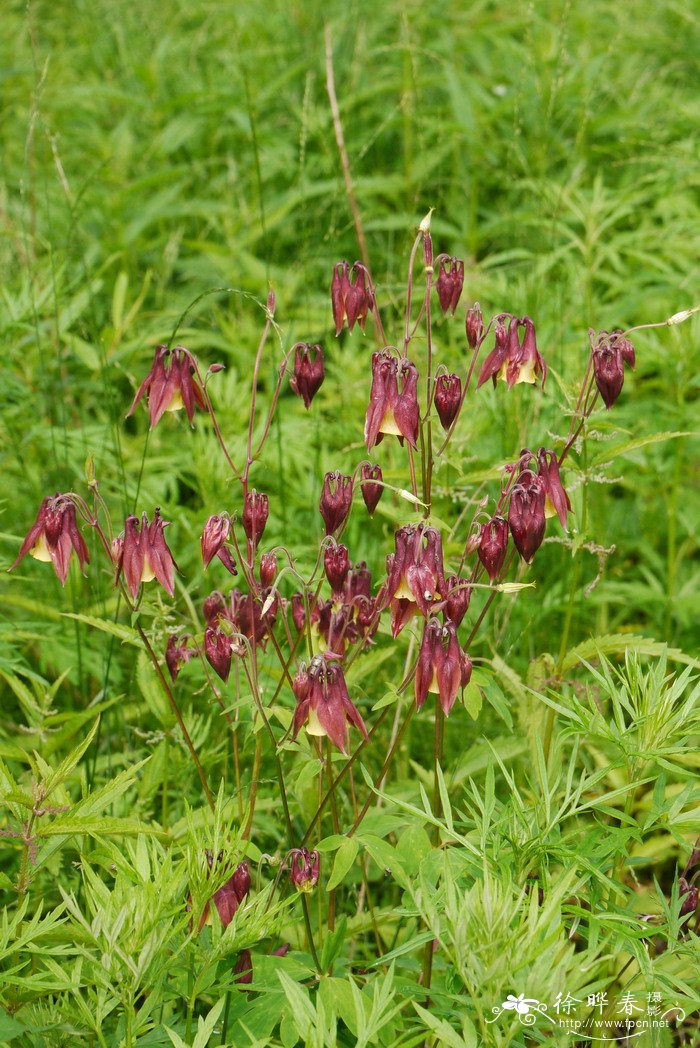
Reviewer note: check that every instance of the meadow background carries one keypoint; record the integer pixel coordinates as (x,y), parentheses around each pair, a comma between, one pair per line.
(152,151)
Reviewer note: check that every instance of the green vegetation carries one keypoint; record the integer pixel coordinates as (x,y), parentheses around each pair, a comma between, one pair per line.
(163,165)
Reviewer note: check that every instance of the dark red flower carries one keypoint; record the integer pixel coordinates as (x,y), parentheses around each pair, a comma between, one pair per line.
(243,969)
(171,384)
(144,554)
(556,503)
(336,561)
(610,353)
(213,542)
(358,583)
(54,537)
(449,283)
(214,607)
(218,649)
(391,411)
(231,894)
(268,569)
(512,360)
(336,500)
(415,575)
(304,869)
(457,599)
(493,543)
(371,485)
(323,703)
(308,371)
(448,397)
(526,514)
(474,325)
(177,653)
(351,301)
(255,513)
(439,667)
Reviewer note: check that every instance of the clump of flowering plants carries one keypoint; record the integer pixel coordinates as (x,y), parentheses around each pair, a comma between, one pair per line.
(280,632)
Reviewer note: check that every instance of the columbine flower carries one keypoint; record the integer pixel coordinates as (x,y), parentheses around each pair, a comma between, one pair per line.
(457,599)
(304,869)
(526,514)
(231,894)
(351,301)
(391,412)
(323,703)
(143,554)
(415,574)
(450,282)
(308,371)
(256,510)
(511,360)
(610,352)
(216,531)
(54,536)
(493,543)
(336,561)
(177,653)
(474,325)
(448,397)
(439,667)
(171,384)
(336,500)
(556,503)
(268,569)
(218,650)
(371,485)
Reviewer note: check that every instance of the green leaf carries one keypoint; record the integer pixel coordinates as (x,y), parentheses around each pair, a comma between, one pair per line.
(116,629)
(473,699)
(614,451)
(97,826)
(345,857)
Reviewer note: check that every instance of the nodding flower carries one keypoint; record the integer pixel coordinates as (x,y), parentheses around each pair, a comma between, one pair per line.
(351,300)
(177,653)
(371,485)
(450,282)
(256,510)
(440,665)
(611,352)
(213,542)
(304,869)
(54,537)
(511,360)
(493,543)
(415,573)
(474,325)
(526,516)
(231,894)
(448,397)
(268,569)
(457,599)
(170,385)
(336,500)
(323,703)
(309,371)
(556,502)
(336,561)
(391,412)
(142,554)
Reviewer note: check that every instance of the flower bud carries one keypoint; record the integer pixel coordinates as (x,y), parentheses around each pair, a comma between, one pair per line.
(304,869)
(448,397)
(213,542)
(474,325)
(177,653)
(218,649)
(457,600)
(340,285)
(243,969)
(526,514)
(309,371)
(336,500)
(450,283)
(493,542)
(268,569)
(213,607)
(371,485)
(337,564)
(255,513)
